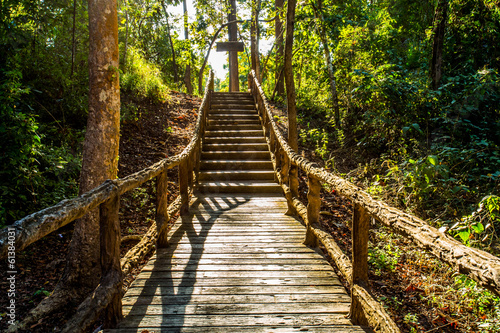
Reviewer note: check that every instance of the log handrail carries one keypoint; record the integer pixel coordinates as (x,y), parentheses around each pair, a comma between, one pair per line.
(481,266)
(107,296)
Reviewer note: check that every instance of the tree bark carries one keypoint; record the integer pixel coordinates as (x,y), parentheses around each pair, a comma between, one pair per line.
(278,31)
(187,73)
(254,38)
(440,17)
(234,81)
(328,58)
(293,139)
(73,44)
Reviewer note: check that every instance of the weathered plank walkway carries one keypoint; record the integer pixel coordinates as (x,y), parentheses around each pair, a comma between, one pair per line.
(237,264)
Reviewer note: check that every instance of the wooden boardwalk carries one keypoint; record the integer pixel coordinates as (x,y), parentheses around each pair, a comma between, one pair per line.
(237,264)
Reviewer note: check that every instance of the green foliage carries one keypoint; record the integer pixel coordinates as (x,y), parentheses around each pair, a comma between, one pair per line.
(32,172)
(482,303)
(480,228)
(143,79)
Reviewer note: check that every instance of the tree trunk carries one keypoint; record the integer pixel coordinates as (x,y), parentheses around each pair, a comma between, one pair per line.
(82,272)
(187,73)
(278,31)
(440,17)
(73,44)
(234,83)
(254,37)
(328,58)
(174,63)
(289,81)
(126,42)
(100,148)
(290,96)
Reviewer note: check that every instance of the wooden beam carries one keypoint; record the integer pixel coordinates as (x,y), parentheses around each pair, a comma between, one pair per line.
(230,46)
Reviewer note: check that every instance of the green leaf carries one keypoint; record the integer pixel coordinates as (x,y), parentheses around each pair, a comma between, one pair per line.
(478,228)
(433,159)
(464,235)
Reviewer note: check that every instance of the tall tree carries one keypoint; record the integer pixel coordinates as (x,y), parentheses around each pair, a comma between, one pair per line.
(440,18)
(293,140)
(278,31)
(100,159)
(187,74)
(254,37)
(320,27)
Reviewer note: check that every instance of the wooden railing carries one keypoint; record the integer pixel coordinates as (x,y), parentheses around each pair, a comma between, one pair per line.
(479,265)
(106,197)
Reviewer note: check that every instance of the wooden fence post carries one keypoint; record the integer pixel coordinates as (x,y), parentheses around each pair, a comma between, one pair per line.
(360,233)
(294,180)
(109,225)
(313,209)
(162,209)
(183,187)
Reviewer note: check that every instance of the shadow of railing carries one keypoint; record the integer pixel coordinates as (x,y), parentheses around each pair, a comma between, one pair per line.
(167,293)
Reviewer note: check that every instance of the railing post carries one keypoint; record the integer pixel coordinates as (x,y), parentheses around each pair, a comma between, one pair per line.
(285,169)
(109,225)
(183,187)
(360,233)
(313,209)
(162,209)
(294,180)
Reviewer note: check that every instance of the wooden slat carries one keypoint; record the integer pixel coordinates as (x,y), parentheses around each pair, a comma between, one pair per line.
(253,329)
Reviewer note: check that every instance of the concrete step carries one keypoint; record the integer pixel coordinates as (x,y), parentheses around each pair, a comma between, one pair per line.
(253,186)
(235,146)
(235,155)
(234,133)
(228,175)
(233,139)
(236,165)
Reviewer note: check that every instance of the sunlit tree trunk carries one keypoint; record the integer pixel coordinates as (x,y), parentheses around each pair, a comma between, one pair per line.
(254,37)
(328,58)
(290,94)
(440,18)
(82,272)
(280,83)
(187,74)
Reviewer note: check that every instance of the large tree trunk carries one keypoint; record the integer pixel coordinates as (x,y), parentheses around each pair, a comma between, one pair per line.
(440,18)
(328,58)
(254,38)
(290,96)
(278,31)
(100,161)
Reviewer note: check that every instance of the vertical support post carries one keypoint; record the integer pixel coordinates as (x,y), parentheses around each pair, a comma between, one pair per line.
(313,209)
(162,209)
(183,187)
(285,171)
(190,168)
(294,180)
(110,255)
(360,233)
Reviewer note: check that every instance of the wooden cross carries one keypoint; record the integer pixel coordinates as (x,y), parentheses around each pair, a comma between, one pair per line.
(233,47)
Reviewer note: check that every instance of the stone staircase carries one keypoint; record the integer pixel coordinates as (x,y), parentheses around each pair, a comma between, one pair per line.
(235,156)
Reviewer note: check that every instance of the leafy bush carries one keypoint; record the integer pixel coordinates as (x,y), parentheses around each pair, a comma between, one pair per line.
(143,78)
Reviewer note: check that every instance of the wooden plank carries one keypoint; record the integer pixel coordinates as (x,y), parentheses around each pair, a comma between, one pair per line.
(264,267)
(239,298)
(237,274)
(231,248)
(253,329)
(243,261)
(203,255)
(236,309)
(215,290)
(242,281)
(169,321)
